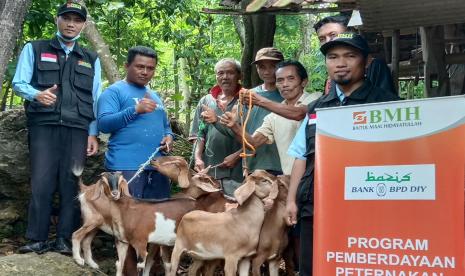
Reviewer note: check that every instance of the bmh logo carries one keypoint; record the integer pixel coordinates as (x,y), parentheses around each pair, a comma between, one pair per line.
(400,114)
(360,117)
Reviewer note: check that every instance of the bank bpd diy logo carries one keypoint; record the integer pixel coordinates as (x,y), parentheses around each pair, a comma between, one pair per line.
(387,118)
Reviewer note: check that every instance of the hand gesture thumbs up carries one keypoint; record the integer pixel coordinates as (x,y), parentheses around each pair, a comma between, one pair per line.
(146,104)
(48,96)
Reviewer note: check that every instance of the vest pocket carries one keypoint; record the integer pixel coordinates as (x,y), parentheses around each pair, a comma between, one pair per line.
(48,74)
(84,78)
(85,105)
(305,190)
(36,106)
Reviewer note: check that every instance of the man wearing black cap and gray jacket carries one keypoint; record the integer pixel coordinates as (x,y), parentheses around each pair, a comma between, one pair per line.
(346,57)
(60,82)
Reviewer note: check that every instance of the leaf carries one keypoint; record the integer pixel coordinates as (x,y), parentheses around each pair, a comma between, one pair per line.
(177,97)
(115,6)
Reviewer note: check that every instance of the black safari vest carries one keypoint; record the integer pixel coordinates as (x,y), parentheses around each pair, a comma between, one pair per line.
(367,93)
(74,77)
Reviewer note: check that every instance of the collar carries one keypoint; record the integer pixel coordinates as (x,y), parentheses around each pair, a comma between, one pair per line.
(339,93)
(57,44)
(299,101)
(216,90)
(359,94)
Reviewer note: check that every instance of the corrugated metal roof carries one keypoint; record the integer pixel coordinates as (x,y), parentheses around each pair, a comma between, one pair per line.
(379,15)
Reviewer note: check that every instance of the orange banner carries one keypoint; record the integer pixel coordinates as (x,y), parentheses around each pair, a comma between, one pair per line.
(389,189)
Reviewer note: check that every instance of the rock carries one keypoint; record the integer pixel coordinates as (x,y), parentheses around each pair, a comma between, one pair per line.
(14,172)
(43,265)
(14,162)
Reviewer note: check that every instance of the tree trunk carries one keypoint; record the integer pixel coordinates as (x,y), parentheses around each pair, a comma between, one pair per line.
(12,97)
(5,97)
(436,75)
(259,33)
(176,85)
(183,86)
(306,28)
(239,27)
(101,47)
(11,21)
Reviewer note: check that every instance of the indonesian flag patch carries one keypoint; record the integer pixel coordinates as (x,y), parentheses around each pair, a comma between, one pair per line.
(85,64)
(312,119)
(48,57)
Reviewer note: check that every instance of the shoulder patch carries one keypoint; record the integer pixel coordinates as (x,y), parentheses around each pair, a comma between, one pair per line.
(48,57)
(85,64)
(311,118)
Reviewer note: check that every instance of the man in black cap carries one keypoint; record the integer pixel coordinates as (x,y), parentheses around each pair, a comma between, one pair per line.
(377,70)
(60,82)
(346,57)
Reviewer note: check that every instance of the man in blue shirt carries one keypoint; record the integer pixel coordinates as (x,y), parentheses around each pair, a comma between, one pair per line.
(60,81)
(135,117)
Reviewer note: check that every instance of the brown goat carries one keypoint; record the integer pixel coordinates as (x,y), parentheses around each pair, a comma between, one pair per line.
(95,210)
(232,235)
(98,204)
(139,222)
(177,169)
(273,235)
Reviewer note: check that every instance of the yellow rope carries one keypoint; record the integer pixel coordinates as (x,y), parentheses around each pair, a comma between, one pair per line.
(245,143)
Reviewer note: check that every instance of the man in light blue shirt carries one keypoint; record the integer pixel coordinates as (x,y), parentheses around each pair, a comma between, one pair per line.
(60,82)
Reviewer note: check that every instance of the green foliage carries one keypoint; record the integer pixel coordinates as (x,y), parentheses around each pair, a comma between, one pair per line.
(176,29)
(411,89)
(288,39)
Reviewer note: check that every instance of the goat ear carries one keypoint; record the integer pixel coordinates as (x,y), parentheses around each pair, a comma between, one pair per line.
(124,186)
(152,163)
(244,191)
(98,190)
(206,187)
(285,180)
(204,171)
(183,177)
(274,187)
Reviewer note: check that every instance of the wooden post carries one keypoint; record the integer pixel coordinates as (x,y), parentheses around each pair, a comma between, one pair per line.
(387,53)
(395,59)
(436,77)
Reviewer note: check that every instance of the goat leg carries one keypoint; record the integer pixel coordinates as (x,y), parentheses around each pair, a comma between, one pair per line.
(244,266)
(273,267)
(257,262)
(152,251)
(289,255)
(194,267)
(176,257)
(141,251)
(210,267)
(87,249)
(230,266)
(165,253)
(122,249)
(77,238)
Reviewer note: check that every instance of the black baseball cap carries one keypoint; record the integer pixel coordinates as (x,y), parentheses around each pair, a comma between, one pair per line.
(74,8)
(347,39)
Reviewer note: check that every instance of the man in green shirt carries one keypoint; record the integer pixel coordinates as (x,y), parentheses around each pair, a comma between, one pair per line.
(266,156)
(213,148)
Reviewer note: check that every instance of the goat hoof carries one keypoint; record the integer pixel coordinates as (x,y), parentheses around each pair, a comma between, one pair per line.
(93,264)
(79,261)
